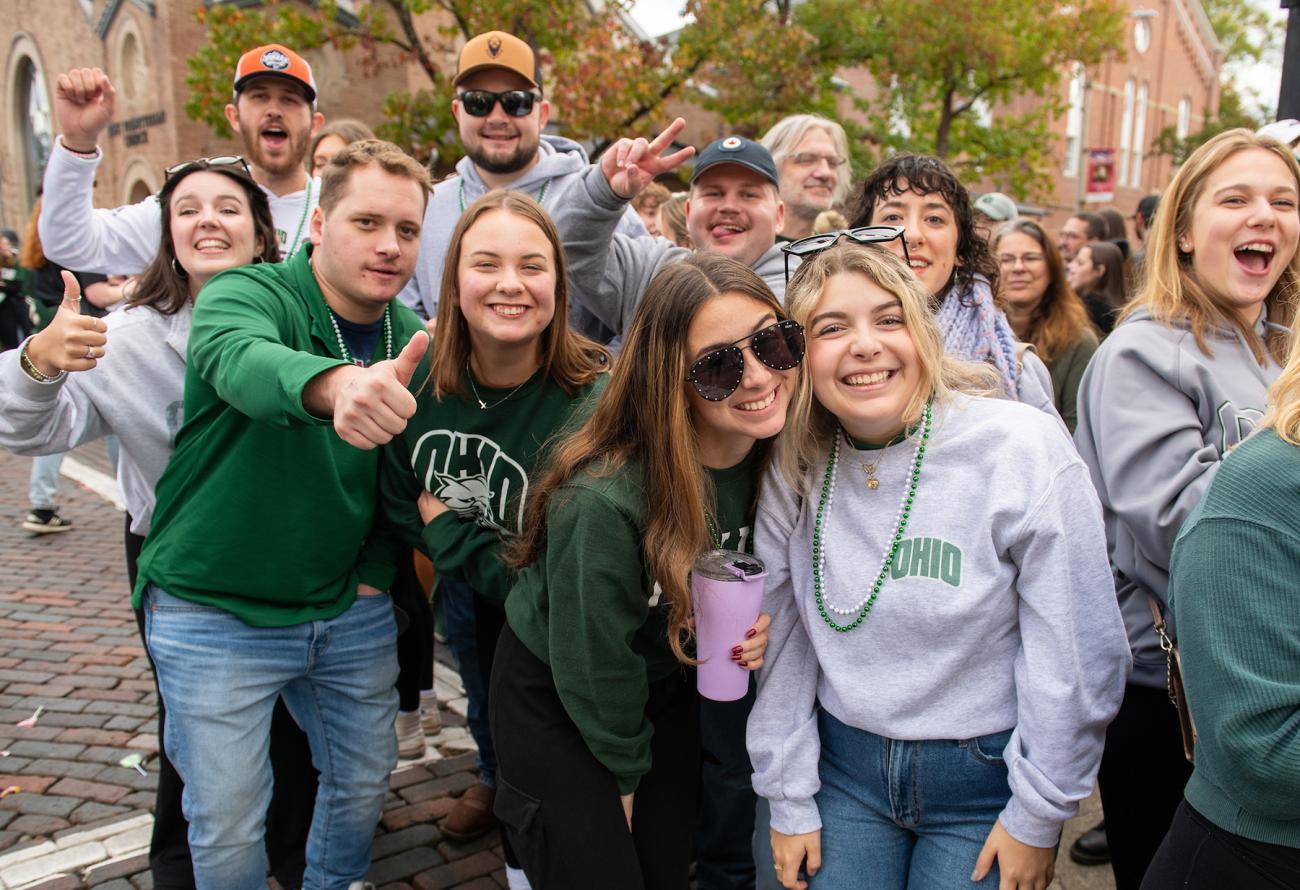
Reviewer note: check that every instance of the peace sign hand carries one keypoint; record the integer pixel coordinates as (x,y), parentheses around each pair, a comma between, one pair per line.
(629,165)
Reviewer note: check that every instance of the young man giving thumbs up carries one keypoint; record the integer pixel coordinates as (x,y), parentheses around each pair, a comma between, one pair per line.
(249,578)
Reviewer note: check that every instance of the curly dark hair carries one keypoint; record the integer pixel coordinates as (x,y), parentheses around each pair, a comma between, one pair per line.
(927,175)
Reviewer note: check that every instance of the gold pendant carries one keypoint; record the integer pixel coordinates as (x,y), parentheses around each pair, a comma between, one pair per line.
(873,484)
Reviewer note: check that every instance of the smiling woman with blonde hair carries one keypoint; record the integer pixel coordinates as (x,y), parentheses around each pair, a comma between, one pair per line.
(969,631)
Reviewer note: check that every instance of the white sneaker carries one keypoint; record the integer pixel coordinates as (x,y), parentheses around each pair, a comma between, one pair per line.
(430,719)
(410,735)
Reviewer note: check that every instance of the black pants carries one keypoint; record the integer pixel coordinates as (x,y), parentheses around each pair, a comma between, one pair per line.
(560,807)
(415,645)
(1199,855)
(288,819)
(1143,773)
(724,854)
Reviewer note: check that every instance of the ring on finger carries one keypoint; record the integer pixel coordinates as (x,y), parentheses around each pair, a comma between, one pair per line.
(90,352)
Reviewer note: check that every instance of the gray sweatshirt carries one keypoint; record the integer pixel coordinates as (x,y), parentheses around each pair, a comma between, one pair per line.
(135,391)
(997,613)
(123,241)
(608,271)
(551,182)
(1156,417)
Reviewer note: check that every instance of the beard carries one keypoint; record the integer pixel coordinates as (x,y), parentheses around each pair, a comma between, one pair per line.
(498,164)
(284,161)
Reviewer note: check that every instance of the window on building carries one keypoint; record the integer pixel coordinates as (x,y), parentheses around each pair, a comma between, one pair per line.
(1184,117)
(32,109)
(1074,120)
(1139,136)
(1126,131)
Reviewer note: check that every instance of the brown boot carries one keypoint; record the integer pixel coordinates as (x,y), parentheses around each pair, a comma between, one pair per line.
(471,817)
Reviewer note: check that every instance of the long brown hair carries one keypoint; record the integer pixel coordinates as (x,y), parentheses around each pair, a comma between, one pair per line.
(1170,288)
(163,285)
(644,417)
(1110,287)
(568,358)
(30,255)
(1060,316)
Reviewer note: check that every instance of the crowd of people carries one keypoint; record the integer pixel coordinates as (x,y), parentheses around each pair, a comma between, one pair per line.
(553,384)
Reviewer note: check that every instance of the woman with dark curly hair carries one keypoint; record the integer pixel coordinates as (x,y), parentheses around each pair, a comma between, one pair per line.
(923,196)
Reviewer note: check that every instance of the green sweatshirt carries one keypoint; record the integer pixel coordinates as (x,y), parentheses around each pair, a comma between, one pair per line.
(590,610)
(1234,585)
(1066,371)
(263,509)
(478,462)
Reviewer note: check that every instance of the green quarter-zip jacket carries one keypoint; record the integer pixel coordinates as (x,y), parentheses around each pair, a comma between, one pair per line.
(263,509)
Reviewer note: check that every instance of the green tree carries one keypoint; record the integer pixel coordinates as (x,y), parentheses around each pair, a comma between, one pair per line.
(939,69)
(741,58)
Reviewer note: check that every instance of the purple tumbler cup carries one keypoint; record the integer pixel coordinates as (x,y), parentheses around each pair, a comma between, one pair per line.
(728,590)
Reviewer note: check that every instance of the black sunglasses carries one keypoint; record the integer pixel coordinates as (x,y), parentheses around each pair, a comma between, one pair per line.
(717,374)
(814,244)
(205,163)
(516,103)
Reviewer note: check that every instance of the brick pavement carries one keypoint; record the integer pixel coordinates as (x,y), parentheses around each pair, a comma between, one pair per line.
(68,643)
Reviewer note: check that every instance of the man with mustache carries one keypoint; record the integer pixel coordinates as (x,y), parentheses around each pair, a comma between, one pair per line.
(500,114)
(273,110)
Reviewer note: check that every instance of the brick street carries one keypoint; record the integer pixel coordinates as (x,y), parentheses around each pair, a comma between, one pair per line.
(68,645)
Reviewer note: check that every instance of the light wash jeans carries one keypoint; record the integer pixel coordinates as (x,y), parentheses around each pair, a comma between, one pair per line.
(44,483)
(900,815)
(219,679)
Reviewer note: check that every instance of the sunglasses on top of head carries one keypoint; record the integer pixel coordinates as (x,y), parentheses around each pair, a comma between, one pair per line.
(207,163)
(516,103)
(815,244)
(717,374)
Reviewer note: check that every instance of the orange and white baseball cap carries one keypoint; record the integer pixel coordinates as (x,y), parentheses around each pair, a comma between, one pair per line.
(497,49)
(274,60)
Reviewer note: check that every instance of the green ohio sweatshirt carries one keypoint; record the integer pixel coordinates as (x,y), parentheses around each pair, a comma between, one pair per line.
(479,462)
(1234,584)
(263,509)
(589,609)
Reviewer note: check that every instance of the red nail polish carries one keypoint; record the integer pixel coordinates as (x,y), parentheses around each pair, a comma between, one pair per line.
(751,633)
(735,658)
(735,650)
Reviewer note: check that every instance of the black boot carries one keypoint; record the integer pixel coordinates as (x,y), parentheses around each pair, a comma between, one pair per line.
(1091,848)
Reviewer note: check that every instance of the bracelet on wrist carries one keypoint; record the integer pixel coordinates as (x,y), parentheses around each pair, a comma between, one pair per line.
(78,152)
(30,367)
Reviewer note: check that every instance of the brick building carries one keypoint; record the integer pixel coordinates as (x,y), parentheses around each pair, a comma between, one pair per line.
(142,45)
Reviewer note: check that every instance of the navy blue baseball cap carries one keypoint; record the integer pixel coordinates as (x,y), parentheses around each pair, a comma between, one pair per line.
(737,150)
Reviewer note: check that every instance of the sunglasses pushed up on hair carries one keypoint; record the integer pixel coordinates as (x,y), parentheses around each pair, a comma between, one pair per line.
(717,374)
(516,103)
(815,244)
(207,163)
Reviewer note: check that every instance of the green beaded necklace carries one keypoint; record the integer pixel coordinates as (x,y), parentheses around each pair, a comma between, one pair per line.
(913,477)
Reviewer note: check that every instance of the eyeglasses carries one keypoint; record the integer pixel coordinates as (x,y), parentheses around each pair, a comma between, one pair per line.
(815,244)
(516,103)
(717,374)
(205,163)
(810,158)
(1007,261)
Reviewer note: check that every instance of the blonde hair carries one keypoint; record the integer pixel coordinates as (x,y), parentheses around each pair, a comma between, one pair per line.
(809,426)
(672,220)
(1283,412)
(567,357)
(1170,288)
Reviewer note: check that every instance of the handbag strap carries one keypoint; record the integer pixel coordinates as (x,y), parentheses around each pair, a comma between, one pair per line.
(1158,618)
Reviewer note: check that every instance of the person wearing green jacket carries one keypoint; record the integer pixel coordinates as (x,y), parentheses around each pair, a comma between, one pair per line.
(1232,587)
(596,723)
(250,576)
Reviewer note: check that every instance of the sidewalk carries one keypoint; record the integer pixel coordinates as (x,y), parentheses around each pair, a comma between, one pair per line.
(68,644)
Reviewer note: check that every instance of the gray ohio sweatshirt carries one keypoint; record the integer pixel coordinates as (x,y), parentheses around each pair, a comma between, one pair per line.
(552,181)
(610,272)
(1156,417)
(997,613)
(135,391)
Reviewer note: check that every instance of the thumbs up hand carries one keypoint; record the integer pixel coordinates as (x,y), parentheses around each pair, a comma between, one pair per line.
(71,341)
(369,405)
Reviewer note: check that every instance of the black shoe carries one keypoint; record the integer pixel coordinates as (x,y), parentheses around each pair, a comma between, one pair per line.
(42,522)
(1091,848)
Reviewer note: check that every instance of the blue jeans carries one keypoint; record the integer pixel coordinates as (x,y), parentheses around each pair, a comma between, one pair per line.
(460,614)
(219,680)
(44,484)
(906,815)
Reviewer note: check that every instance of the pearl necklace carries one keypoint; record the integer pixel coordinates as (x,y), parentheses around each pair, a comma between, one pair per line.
(863,606)
(388,336)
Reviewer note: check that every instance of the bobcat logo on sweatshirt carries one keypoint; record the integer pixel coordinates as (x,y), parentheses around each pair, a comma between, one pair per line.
(474,477)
